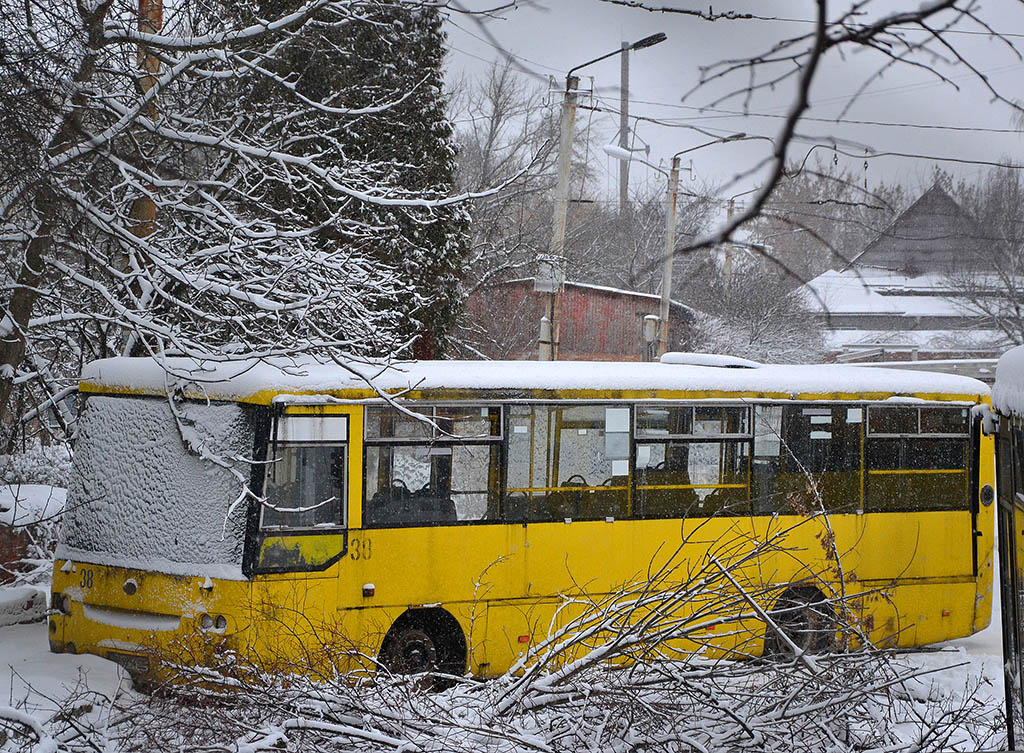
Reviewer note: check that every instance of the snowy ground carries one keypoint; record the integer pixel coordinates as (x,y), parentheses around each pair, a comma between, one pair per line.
(36,680)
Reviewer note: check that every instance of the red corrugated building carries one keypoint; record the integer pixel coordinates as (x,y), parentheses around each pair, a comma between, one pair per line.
(597,323)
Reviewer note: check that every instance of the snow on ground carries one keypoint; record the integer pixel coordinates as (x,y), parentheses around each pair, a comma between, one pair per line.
(36,680)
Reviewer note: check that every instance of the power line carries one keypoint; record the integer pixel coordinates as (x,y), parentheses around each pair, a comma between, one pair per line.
(833,121)
(967,32)
(502,50)
(723,114)
(755,17)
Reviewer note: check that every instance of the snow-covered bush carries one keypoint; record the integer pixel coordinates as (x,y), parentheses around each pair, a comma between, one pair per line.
(32,494)
(49,465)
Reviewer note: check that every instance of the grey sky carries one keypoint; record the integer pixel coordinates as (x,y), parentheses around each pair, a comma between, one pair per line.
(551,36)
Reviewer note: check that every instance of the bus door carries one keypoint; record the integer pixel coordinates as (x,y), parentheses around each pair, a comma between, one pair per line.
(1010,464)
(302,520)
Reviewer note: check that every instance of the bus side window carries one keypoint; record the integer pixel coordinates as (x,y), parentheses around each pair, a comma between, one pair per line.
(692,461)
(767,461)
(305,482)
(820,459)
(305,488)
(1018,452)
(567,462)
(438,465)
(917,458)
(526,461)
(1005,465)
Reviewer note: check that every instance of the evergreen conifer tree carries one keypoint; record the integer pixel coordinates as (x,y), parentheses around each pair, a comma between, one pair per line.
(381,73)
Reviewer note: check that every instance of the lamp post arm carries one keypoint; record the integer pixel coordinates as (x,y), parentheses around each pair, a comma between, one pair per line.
(591,62)
(640,45)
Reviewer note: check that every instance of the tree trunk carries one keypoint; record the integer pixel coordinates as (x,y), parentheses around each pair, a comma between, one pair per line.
(14,327)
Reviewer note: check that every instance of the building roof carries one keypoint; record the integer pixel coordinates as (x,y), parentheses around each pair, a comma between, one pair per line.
(922,340)
(864,292)
(597,289)
(934,234)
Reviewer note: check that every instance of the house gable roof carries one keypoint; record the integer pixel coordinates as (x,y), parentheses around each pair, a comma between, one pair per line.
(935,234)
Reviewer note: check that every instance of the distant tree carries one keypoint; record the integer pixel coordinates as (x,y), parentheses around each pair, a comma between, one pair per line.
(505,134)
(627,249)
(756,314)
(819,219)
(993,287)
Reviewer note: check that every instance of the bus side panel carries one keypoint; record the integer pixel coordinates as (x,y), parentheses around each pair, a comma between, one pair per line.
(295,622)
(459,568)
(902,545)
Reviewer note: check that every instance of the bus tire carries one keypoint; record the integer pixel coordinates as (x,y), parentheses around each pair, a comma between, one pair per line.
(424,641)
(804,614)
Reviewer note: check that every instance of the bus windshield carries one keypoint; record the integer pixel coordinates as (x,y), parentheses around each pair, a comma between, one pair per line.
(141,495)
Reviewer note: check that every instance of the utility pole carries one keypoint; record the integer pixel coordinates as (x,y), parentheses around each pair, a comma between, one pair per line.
(730,210)
(549,334)
(670,249)
(548,351)
(624,128)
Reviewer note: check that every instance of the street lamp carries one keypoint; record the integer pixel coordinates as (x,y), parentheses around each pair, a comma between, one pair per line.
(671,195)
(729,211)
(549,337)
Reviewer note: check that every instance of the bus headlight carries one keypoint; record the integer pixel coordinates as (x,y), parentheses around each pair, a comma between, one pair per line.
(215,623)
(60,602)
(988,494)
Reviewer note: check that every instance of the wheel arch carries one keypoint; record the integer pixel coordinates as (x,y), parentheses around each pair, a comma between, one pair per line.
(440,624)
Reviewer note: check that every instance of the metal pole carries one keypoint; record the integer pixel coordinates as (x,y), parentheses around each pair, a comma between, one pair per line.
(728,246)
(624,128)
(670,248)
(561,203)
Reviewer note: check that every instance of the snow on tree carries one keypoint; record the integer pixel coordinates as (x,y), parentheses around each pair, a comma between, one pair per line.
(172,180)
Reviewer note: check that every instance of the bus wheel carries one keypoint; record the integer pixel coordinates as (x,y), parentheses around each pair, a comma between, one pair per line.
(806,618)
(424,641)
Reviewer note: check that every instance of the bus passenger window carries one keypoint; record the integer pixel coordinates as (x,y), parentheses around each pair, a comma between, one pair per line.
(766,464)
(692,461)
(305,482)
(567,462)
(917,458)
(819,460)
(1005,465)
(431,466)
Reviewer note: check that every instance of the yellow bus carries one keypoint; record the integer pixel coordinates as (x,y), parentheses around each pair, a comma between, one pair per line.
(433,515)
(1008,401)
